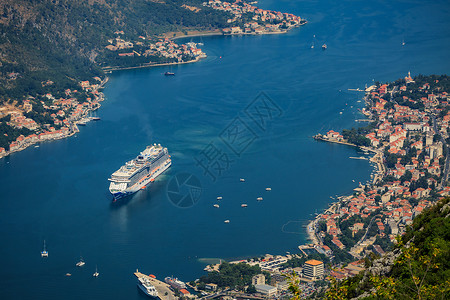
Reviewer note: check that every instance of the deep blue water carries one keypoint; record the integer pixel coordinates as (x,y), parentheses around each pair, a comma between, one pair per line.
(59,191)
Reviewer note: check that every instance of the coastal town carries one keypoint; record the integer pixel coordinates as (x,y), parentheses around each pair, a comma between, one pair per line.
(408,137)
(46,117)
(145,53)
(406,142)
(249,19)
(50,117)
(129,53)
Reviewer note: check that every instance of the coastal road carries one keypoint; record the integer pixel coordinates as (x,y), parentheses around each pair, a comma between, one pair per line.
(363,238)
(445,148)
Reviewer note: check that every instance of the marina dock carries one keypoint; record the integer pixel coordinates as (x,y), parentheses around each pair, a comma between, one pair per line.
(164,291)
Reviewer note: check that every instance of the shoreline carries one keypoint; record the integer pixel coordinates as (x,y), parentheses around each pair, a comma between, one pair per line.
(211,33)
(73,126)
(207,33)
(377,158)
(112,69)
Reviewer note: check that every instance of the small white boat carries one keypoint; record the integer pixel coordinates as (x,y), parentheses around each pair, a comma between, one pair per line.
(268,189)
(340,112)
(244,205)
(68,274)
(242,180)
(44,253)
(80,263)
(259,198)
(219,198)
(216,205)
(96,272)
(226,221)
(37,146)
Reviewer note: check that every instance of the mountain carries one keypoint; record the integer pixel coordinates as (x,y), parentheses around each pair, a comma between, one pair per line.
(418,267)
(62,41)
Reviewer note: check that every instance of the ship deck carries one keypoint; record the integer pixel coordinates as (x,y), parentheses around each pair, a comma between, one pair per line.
(164,291)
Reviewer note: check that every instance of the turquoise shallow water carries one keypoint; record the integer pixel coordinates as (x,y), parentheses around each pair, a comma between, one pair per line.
(59,191)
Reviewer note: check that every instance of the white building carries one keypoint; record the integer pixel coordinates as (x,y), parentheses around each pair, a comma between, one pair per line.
(258,279)
(313,269)
(266,289)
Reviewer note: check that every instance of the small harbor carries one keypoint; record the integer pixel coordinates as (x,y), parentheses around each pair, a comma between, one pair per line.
(164,290)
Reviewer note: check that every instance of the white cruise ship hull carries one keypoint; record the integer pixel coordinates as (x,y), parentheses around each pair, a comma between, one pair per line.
(143,183)
(144,290)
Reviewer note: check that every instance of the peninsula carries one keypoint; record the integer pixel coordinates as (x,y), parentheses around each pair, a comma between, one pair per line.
(51,99)
(407,141)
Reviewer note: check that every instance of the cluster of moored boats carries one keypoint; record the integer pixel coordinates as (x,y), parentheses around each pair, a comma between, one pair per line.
(216,205)
(80,263)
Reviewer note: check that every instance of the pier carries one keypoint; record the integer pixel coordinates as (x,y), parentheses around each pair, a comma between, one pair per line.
(364,120)
(164,290)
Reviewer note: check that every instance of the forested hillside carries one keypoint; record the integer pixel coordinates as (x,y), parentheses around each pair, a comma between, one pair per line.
(418,267)
(60,41)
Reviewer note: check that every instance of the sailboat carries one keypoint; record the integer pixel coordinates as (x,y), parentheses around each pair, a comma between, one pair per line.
(403,42)
(312,46)
(80,263)
(44,253)
(96,272)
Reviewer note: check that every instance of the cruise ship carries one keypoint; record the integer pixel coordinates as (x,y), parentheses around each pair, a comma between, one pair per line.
(175,283)
(147,287)
(139,172)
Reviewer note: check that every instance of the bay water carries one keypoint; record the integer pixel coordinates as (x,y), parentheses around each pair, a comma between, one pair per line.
(58,192)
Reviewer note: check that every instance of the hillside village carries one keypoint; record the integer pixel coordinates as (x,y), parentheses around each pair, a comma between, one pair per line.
(408,139)
(249,19)
(54,118)
(150,51)
(56,114)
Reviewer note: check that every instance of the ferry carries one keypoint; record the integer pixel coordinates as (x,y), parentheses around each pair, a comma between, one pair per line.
(140,171)
(147,287)
(175,283)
